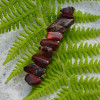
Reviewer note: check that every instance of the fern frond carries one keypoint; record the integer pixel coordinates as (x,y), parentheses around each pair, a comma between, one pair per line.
(86,67)
(86,17)
(86,84)
(78,52)
(34,16)
(79,34)
(21,63)
(48,86)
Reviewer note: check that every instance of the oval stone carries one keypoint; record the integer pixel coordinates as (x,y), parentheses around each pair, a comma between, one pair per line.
(56,28)
(65,22)
(34,69)
(54,36)
(46,51)
(41,60)
(32,79)
(50,43)
(67,12)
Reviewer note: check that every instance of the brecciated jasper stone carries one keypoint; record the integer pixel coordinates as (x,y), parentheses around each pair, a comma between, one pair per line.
(54,36)
(32,79)
(65,22)
(50,43)
(56,28)
(67,12)
(41,60)
(46,51)
(34,69)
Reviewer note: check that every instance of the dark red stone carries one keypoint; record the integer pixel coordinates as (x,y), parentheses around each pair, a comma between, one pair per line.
(54,36)
(67,12)
(56,28)
(34,69)
(65,22)
(32,79)
(46,51)
(50,43)
(40,60)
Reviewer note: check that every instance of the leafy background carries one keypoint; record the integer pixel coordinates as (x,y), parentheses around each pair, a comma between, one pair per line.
(24,23)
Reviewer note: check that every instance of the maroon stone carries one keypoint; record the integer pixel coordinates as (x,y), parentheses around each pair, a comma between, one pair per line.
(56,28)
(46,51)
(65,22)
(50,43)
(40,60)
(54,36)
(32,79)
(67,12)
(34,69)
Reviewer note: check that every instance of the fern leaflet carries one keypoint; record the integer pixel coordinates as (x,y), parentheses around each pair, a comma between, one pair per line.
(86,17)
(78,34)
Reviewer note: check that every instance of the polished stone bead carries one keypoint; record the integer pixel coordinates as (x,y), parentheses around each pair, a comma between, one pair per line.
(40,60)
(56,28)
(65,22)
(32,79)
(54,36)
(67,12)
(34,69)
(46,51)
(50,43)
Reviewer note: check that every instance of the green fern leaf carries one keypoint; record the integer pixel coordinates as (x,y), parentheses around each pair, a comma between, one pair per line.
(86,17)
(78,52)
(86,84)
(23,61)
(78,34)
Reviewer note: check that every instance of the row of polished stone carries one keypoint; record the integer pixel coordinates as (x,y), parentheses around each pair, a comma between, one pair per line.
(48,45)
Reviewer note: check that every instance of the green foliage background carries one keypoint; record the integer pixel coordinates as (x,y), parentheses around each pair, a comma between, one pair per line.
(63,73)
